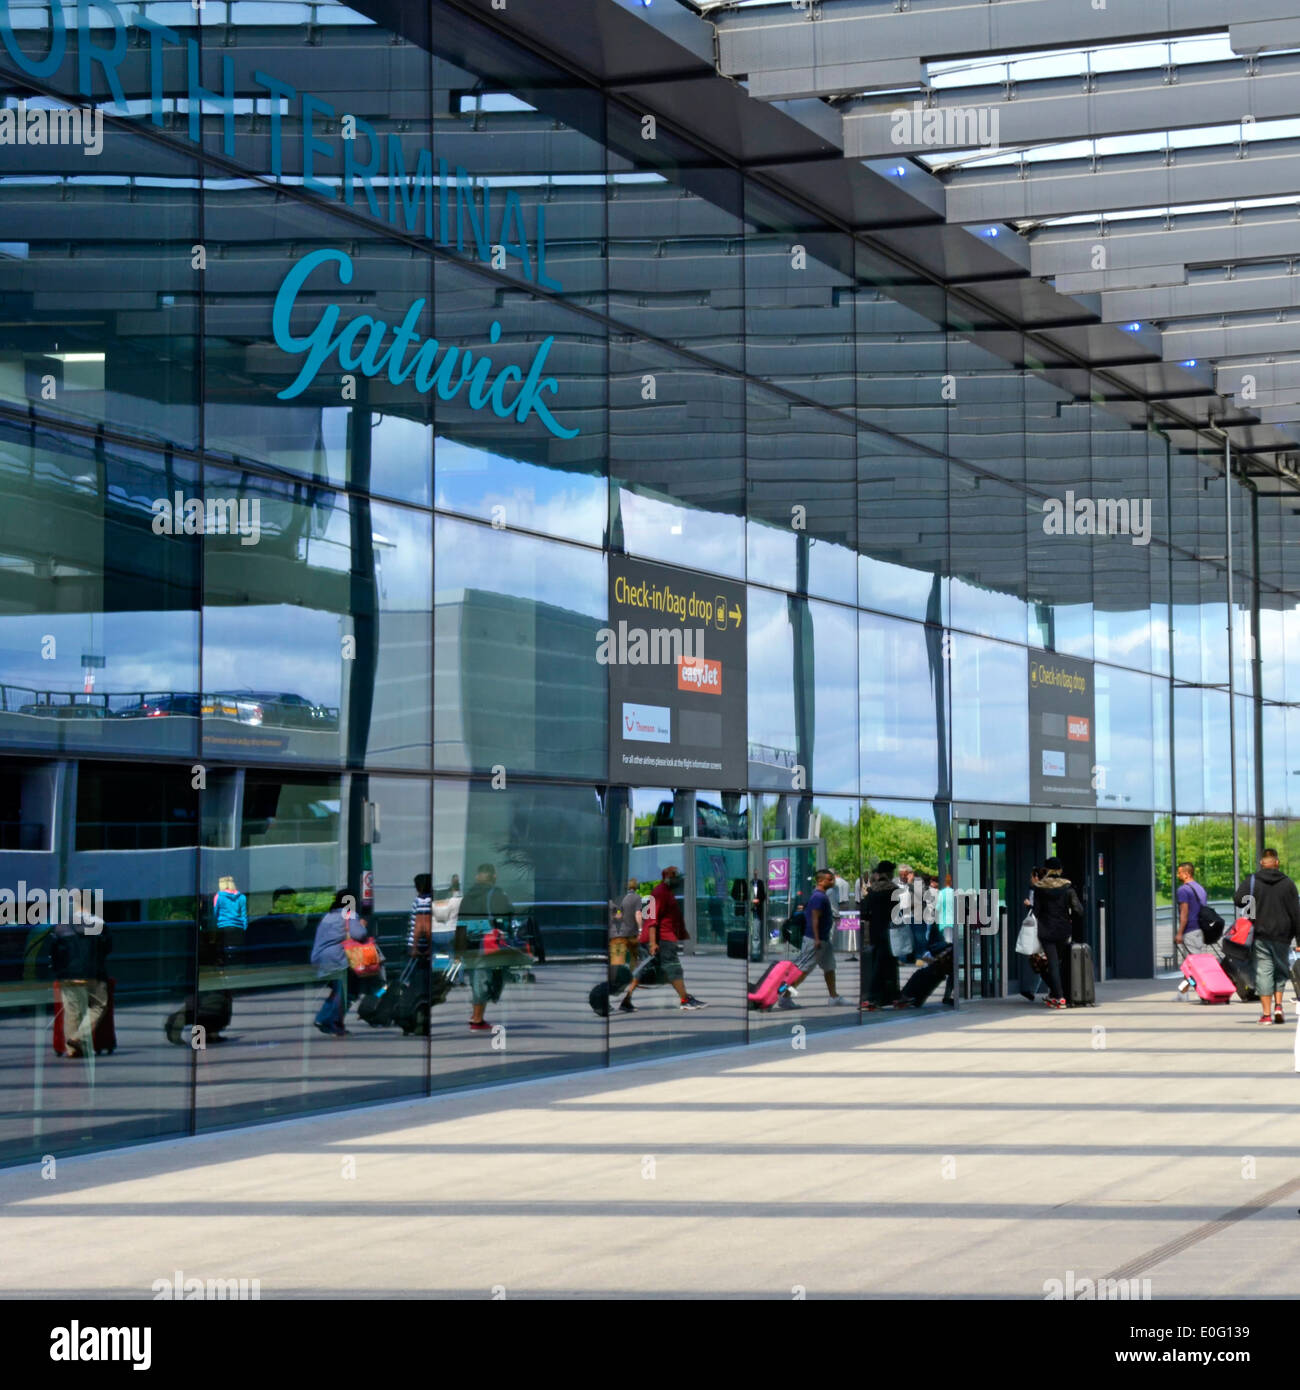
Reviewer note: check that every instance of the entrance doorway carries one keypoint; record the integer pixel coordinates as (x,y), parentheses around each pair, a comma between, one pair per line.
(1111,869)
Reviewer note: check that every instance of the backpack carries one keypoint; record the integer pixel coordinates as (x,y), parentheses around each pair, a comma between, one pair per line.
(1242,932)
(793,928)
(1209,922)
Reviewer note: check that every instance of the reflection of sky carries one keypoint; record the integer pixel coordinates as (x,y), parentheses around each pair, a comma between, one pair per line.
(686,536)
(560,503)
(146,652)
(771,684)
(990,721)
(472,556)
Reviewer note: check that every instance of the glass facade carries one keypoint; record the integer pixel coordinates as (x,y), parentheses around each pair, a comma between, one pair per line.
(333,392)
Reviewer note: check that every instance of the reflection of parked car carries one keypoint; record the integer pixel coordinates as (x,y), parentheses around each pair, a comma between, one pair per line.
(65,711)
(282,708)
(153,706)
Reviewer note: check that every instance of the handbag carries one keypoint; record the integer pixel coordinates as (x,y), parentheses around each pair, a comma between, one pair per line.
(1027,941)
(900,942)
(363,957)
(1242,931)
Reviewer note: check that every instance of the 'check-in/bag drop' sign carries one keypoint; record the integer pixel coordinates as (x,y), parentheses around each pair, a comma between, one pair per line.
(676,652)
(1061,731)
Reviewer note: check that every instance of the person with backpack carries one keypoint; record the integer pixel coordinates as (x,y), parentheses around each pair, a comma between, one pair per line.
(1270,900)
(819,942)
(1056,908)
(1199,926)
(663,929)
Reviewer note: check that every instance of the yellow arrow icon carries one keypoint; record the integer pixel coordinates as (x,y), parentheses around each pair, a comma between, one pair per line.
(735,613)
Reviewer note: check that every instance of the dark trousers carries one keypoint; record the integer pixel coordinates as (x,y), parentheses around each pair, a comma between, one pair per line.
(878,975)
(1058,967)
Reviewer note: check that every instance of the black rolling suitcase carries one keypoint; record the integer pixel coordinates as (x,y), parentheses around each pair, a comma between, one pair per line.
(1239,967)
(619,979)
(1083,982)
(923,982)
(214,1012)
(378,1007)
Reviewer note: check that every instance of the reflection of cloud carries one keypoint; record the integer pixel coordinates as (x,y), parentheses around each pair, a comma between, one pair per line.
(568,505)
(473,556)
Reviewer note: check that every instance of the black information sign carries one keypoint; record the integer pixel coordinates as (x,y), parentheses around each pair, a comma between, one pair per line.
(678,672)
(1062,742)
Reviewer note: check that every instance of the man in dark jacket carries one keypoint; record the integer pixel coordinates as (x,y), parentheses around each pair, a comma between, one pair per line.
(878,966)
(1056,906)
(1269,898)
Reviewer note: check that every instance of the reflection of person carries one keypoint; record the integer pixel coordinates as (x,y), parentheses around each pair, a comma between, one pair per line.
(1028,966)
(229,905)
(78,952)
(483,902)
(625,926)
(878,967)
(661,934)
(818,940)
(336,927)
(1276,912)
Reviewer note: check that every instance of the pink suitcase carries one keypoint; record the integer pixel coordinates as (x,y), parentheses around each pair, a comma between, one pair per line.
(1207,977)
(765,994)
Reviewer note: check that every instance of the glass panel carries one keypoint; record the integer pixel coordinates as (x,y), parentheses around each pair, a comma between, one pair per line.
(316,626)
(516,623)
(903,740)
(532,863)
(273,975)
(1125,743)
(102,266)
(676,459)
(990,721)
(100,606)
(802,693)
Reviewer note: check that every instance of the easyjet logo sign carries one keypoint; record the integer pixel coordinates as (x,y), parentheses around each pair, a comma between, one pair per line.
(1078,729)
(700,674)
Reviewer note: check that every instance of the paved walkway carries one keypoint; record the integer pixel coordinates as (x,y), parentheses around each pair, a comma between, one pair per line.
(981,1153)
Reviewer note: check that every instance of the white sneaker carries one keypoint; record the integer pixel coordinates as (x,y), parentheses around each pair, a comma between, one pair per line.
(839,999)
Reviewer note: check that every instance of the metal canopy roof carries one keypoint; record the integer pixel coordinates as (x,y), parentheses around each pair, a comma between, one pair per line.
(1094,138)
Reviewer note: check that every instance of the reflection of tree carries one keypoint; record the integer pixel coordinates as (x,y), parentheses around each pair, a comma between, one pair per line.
(870,836)
(1207,843)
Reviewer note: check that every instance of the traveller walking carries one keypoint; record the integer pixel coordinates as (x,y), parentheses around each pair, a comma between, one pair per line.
(1056,906)
(79,957)
(663,929)
(1194,914)
(1269,898)
(819,940)
(626,926)
(338,926)
(483,905)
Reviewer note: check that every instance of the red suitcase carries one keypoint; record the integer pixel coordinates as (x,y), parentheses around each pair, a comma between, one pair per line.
(105,1035)
(1207,977)
(774,982)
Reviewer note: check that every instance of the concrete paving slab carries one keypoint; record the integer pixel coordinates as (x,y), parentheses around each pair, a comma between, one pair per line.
(977,1154)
